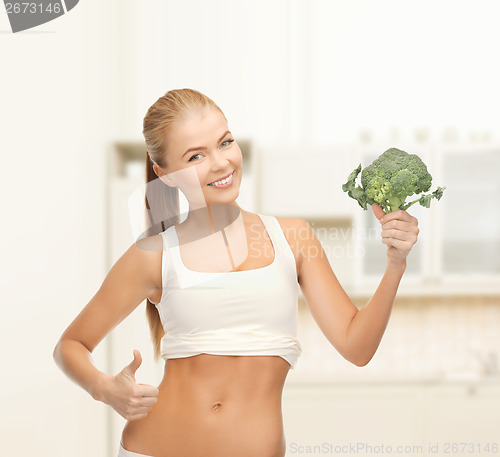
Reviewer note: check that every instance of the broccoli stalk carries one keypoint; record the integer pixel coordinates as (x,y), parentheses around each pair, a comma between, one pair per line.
(390,179)
(425,200)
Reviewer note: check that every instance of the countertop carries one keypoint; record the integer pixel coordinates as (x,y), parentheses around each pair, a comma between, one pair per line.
(361,380)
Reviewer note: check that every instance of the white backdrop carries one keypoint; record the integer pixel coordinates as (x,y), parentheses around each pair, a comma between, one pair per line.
(282,71)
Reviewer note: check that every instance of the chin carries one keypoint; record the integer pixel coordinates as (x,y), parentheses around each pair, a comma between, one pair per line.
(227,198)
(230,197)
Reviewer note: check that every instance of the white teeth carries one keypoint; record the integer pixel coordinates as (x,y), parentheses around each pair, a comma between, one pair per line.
(224,181)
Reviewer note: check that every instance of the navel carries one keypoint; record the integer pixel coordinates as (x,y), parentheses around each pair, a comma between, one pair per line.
(216,406)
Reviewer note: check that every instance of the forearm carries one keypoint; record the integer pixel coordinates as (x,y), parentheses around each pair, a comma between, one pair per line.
(75,360)
(368,325)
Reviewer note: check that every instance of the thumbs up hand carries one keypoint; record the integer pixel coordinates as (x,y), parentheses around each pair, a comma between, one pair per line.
(399,232)
(131,368)
(131,400)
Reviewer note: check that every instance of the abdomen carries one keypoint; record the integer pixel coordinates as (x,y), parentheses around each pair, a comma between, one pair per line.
(214,406)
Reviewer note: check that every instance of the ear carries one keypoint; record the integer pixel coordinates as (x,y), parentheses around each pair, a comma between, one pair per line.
(163,176)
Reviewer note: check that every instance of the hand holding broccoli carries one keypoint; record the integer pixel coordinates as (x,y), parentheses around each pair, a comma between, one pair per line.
(385,185)
(390,179)
(399,233)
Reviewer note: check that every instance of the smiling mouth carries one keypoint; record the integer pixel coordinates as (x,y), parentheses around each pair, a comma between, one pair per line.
(222,181)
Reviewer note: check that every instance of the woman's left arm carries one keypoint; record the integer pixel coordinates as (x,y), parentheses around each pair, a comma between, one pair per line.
(356,334)
(399,232)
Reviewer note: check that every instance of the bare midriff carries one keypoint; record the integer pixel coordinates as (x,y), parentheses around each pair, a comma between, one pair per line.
(214,406)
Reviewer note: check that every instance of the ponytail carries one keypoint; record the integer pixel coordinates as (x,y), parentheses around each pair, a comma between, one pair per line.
(162,209)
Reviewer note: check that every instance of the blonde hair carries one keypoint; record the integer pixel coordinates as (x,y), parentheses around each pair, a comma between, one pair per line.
(162,201)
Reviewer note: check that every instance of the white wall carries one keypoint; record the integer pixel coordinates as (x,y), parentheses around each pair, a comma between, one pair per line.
(58,112)
(283,71)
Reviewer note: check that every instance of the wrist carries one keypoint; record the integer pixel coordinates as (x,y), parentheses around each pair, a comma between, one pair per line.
(98,390)
(397,266)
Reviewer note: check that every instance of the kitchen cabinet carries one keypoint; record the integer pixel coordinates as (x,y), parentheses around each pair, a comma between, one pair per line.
(469,229)
(458,247)
(411,413)
(464,413)
(341,414)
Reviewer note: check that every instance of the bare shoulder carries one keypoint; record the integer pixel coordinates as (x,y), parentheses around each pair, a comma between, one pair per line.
(152,243)
(292,226)
(144,256)
(149,253)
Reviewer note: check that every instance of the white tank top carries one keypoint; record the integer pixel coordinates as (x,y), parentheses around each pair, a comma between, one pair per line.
(244,313)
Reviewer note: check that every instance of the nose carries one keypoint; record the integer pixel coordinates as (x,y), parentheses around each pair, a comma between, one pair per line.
(220,160)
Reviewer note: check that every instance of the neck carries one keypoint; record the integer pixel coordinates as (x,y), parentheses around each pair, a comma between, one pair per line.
(213,217)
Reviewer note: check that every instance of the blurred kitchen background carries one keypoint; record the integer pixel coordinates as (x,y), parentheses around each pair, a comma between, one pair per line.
(310,90)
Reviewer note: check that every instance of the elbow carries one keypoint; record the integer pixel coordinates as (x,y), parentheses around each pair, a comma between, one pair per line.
(362,362)
(357,357)
(357,360)
(56,351)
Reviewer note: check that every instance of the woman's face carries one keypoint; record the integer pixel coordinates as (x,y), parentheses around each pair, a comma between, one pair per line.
(200,151)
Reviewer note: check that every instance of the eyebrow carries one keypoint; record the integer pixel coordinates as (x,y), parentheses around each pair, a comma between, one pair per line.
(197,148)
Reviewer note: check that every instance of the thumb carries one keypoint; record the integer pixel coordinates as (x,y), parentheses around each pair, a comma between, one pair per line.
(378,211)
(136,363)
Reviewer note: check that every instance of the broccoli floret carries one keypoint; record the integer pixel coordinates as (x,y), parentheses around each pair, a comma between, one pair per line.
(390,179)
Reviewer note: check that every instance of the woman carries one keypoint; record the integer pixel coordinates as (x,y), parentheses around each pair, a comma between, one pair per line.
(221,290)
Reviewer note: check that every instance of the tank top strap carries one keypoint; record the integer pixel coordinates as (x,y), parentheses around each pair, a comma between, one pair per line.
(166,260)
(284,252)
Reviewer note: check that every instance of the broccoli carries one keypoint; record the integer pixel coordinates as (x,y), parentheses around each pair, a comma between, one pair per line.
(390,179)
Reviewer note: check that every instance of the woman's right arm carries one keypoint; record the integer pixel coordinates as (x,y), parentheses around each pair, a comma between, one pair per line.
(129,282)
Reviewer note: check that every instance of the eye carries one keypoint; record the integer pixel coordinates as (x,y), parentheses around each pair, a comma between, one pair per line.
(227,141)
(193,156)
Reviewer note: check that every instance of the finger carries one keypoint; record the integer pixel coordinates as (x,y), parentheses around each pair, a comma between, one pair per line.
(403,246)
(134,417)
(399,215)
(400,225)
(399,235)
(145,390)
(137,401)
(132,367)
(149,402)
(377,211)
(143,409)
